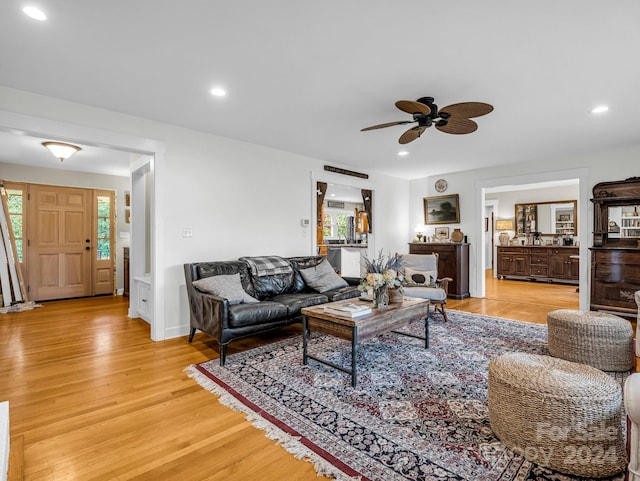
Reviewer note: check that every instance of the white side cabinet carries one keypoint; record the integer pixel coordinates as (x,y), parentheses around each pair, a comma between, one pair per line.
(144,302)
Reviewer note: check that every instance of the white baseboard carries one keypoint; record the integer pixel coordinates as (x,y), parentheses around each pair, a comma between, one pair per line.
(4,440)
(120,291)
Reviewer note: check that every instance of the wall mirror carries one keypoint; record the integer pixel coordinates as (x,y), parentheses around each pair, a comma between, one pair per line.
(558,217)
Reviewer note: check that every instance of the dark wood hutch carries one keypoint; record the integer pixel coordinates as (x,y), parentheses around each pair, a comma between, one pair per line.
(615,255)
(453,262)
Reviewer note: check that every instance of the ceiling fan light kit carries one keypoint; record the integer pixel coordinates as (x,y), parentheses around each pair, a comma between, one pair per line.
(452,119)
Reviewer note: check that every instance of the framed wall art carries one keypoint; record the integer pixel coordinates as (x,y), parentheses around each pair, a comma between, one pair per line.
(442,232)
(442,209)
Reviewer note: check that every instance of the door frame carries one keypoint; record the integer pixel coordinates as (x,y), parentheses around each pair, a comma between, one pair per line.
(74,133)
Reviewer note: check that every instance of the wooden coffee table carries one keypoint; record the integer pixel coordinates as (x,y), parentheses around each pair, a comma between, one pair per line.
(356,330)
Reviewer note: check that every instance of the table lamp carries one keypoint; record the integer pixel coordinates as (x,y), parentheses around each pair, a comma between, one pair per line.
(419,230)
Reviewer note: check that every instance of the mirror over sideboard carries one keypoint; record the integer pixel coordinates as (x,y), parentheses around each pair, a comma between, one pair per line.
(547,218)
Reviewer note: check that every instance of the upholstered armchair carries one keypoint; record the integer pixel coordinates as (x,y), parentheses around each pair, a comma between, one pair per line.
(421,280)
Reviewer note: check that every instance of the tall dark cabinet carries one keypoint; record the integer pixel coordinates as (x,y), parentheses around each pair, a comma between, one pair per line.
(453,262)
(615,255)
(125,271)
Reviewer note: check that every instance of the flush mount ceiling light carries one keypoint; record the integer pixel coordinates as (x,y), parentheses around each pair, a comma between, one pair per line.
(218,92)
(61,150)
(403,153)
(35,13)
(599,109)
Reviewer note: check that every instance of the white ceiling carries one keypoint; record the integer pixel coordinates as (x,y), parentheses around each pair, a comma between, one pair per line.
(305,77)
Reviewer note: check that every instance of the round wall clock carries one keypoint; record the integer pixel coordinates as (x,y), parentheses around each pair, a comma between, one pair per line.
(441,185)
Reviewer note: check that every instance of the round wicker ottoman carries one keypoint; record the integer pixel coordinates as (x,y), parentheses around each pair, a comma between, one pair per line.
(559,414)
(600,340)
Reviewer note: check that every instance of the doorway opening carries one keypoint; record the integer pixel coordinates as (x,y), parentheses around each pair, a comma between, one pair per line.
(502,195)
(152,152)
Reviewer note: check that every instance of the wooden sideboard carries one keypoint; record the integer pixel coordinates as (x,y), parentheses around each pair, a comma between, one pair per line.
(453,262)
(550,263)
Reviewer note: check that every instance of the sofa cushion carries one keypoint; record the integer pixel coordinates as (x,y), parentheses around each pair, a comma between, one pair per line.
(431,293)
(242,315)
(322,277)
(226,286)
(297,300)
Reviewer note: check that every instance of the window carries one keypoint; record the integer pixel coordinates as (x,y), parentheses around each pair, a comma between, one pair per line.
(16,215)
(104,227)
(335,224)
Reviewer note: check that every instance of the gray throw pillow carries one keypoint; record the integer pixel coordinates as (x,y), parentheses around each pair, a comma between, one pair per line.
(226,286)
(322,277)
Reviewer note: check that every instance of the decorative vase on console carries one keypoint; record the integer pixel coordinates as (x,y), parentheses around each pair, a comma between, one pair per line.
(457,235)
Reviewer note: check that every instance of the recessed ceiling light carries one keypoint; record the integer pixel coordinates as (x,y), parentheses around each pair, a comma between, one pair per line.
(218,92)
(35,13)
(599,109)
(402,153)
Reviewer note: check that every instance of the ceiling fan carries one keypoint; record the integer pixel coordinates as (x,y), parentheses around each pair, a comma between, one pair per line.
(452,119)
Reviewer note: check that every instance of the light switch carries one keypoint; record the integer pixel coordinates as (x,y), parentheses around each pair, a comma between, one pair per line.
(187,232)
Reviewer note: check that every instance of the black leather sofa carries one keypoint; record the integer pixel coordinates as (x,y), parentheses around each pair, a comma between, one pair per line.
(281,296)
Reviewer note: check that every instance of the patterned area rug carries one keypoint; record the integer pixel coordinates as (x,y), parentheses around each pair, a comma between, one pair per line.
(416,414)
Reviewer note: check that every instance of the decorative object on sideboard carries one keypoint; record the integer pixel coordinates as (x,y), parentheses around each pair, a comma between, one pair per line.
(442,209)
(442,233)
(504,225)
(457,235)
(419,230)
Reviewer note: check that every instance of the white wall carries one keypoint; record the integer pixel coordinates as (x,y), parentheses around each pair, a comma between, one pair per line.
(238,198)
(592,168)
(39,175)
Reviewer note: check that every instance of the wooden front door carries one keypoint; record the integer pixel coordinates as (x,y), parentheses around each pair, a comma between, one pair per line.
(59,250)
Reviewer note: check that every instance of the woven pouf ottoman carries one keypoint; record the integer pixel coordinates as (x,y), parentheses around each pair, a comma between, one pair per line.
(601,340)
(556,413)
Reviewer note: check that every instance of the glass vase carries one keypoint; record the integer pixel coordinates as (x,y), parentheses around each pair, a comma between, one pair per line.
(380,297)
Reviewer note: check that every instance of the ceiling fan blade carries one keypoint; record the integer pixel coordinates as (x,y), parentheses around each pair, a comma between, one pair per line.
(412,134)
(467,109)
(411,107)
(458,126)
(388,124)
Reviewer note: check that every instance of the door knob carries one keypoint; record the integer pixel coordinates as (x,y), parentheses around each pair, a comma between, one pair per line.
(87,248)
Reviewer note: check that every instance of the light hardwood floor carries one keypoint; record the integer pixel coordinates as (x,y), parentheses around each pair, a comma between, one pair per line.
(93,398)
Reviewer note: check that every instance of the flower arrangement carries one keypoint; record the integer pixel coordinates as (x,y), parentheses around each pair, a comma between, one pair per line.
(381,274)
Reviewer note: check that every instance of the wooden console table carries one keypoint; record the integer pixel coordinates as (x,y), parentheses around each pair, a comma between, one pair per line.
(453,262)
(550,263)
